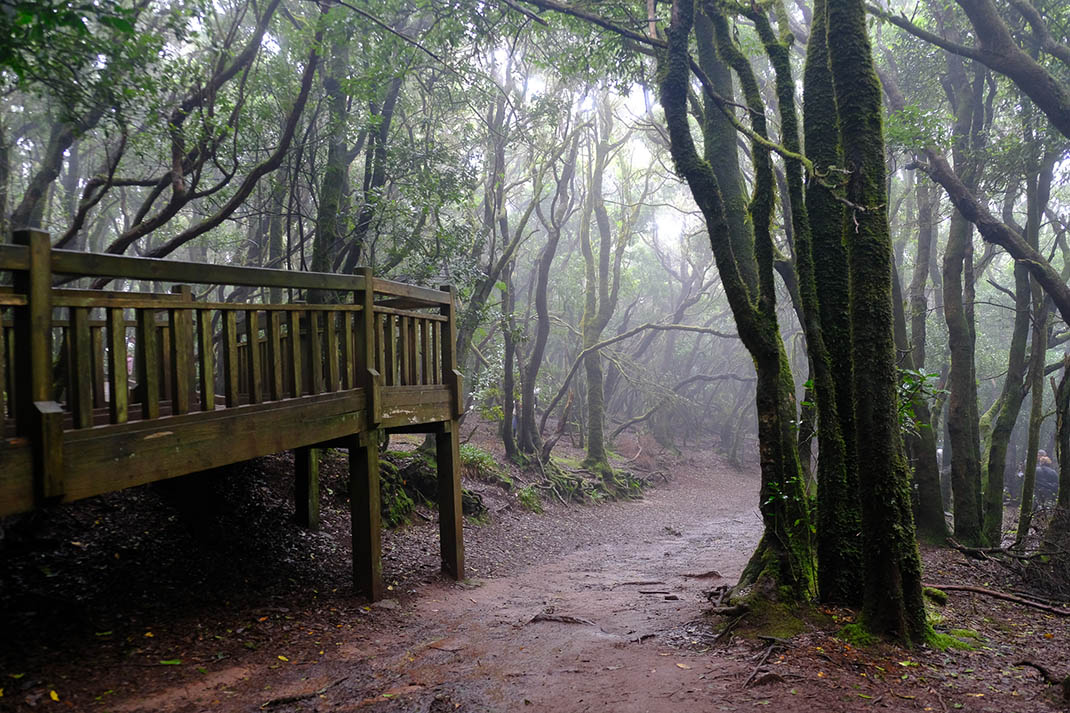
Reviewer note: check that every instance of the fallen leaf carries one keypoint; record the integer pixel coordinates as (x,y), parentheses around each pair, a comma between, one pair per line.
(53,695)
(171,662)
(683,666)
(283,658)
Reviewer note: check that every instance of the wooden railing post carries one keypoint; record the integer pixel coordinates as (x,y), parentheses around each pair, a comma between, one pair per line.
(450,375)
(450,515)
(37,417)
(369,377)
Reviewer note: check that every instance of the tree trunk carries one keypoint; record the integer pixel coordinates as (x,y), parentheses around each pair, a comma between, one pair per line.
(892,600)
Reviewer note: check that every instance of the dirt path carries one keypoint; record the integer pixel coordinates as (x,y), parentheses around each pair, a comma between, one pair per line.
(603,627)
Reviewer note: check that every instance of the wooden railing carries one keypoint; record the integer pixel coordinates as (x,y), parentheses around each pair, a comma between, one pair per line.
(90,377)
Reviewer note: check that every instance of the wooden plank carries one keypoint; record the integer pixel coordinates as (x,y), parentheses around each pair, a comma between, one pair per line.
(33,330)
(307,487)
(450,516)
(9,353)
(274,354)
(231,389)
(165,360)
(4,399)
(422,294)
(380,346)
(118,376)
(104,298)
(148,363)
(425,352)
(255,384)
(408,313)
(82,368)
(70,262)
(206,359)
(293,325)
(450,375)
(315,353)
(390,343)
(110,458)
(330,329)
(181,359)
(14,257)
(368,348)
(349,360)
(436,352)
(410,347)
(96,336)
(365,520)
(404,352)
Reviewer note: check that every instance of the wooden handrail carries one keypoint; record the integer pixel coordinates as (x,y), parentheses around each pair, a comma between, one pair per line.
(82,264)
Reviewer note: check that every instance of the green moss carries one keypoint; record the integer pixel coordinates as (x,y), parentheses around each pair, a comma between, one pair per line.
(530,499)
(966,634)
(943,642)
(766,617)
(936,596)
(857,635)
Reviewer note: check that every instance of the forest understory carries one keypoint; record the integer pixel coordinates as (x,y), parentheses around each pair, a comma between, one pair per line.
(146,600)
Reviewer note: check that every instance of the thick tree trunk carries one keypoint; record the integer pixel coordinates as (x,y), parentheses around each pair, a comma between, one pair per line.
(839,553)
(892,600)
(783,564)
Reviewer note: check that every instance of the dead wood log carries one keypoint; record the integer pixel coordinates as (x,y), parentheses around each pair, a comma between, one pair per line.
(1059,611)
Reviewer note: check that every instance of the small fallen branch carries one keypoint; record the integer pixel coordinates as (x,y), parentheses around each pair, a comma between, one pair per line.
(765,657)
(282,700)
(561,618)
(1059,611)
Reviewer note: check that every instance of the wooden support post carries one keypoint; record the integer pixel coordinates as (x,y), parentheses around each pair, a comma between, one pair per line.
(206,359)
(274,353)
(367,347)
(231,368)
(3,376)
(330,331)
(450,516)
(148,360)
(118,376)
(364,506)
(450,375)
(315,352)
(252,343)
(307,487)
(37,416)
(82,367)
(33,330)
(182,382)
(293,326)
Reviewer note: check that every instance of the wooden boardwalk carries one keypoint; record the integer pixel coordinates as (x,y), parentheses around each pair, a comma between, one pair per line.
(104,389)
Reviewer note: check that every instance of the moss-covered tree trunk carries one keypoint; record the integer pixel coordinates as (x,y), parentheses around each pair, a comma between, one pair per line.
(783,565)
(839,540)
(1010,405)
(929,508)
(892,600)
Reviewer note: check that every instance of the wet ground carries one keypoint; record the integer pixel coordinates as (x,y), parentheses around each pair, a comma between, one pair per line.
(582,608)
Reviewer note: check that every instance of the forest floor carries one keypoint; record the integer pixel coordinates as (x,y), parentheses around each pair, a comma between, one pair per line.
(203,596)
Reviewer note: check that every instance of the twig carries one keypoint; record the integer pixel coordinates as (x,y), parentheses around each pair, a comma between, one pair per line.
(765,657)
(301,696)
(561,618)
(1060,611)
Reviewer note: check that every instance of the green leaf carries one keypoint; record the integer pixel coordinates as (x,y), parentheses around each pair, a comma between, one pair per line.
(117,23)
(171,662)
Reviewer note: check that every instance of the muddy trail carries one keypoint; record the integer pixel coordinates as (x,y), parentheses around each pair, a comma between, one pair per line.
(582,608)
